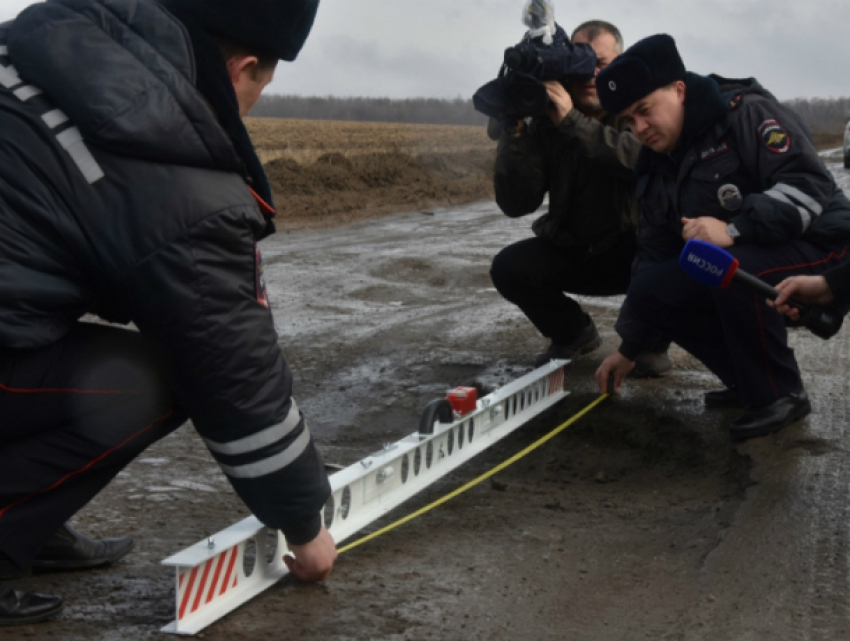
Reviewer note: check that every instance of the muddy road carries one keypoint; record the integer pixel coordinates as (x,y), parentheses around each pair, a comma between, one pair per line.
(640,522)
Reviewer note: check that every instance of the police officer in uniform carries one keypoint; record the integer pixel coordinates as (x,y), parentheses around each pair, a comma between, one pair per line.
(724,162)
(129,188)
(585,243)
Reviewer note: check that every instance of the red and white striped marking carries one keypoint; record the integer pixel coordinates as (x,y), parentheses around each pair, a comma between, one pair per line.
(217,576)
(556,381)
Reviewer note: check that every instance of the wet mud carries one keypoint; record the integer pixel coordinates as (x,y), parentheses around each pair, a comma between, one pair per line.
(642,521)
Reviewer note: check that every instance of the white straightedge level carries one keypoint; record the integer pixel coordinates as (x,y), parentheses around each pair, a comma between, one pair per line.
(211,576)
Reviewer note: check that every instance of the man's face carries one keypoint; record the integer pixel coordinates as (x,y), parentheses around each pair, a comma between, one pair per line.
(657,119)
(249,80)
(584,93)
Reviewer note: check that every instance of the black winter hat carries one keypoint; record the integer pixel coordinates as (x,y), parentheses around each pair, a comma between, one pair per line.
(274,27)
(647,65)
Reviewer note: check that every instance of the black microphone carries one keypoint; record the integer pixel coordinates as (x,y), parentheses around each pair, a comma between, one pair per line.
(715,267)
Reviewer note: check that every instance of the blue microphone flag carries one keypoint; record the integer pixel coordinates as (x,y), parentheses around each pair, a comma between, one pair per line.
(715,267)
(708,264)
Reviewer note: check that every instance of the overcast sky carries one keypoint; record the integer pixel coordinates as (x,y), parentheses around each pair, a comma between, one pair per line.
(448,48)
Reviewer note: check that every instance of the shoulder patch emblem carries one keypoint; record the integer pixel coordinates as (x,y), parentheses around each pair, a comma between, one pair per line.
(774,136)
(259,279)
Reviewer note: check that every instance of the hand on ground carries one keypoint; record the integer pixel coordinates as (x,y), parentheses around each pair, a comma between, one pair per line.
(313,561)
(615,364)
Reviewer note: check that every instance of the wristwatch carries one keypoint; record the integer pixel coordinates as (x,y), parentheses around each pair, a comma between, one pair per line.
(732,231)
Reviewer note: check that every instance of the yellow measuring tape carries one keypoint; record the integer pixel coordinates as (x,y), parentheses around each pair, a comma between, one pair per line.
(476,481)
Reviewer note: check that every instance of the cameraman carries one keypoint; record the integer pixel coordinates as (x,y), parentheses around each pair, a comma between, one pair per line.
(586,242)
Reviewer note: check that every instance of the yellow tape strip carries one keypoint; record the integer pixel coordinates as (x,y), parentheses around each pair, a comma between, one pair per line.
(476,481)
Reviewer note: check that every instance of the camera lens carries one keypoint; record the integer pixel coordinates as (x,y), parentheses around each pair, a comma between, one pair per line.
(513,58)
(527,97)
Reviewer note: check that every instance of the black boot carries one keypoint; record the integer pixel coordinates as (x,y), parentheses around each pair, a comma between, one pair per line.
(21,608)
(67,549)
(766,419)
(587,341)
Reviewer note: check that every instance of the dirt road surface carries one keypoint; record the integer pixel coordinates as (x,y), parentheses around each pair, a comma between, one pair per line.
(640,522)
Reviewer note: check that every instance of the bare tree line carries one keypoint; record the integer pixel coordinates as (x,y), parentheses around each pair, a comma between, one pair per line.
(425,111)
(823,115)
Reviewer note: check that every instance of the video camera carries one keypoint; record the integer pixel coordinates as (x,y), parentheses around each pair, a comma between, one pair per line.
(545,53)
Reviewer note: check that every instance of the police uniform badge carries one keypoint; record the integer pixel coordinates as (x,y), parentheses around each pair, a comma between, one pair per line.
(730,197)
(735,102)
(774,136)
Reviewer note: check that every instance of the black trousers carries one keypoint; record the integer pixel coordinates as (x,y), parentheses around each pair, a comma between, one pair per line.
(534,275)
(72,415)
(732,331)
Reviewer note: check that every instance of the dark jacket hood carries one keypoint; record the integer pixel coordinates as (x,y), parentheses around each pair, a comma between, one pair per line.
(124,73)
(731,87)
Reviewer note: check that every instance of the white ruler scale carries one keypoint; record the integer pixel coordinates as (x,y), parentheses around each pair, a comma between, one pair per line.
(217,575)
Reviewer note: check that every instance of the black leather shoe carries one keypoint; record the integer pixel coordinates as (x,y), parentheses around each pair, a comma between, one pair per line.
(587,341)
(766,419)
(22,608)
(67,549)
(726,397)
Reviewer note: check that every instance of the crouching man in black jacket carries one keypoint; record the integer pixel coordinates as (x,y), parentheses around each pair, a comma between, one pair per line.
(585,243)
(129,188)
(723,162)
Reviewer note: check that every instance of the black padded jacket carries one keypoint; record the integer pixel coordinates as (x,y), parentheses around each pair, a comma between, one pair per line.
(742,157)
(587,168)
(121,195)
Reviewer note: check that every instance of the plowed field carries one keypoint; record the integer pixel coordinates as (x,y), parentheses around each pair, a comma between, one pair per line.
(324,173)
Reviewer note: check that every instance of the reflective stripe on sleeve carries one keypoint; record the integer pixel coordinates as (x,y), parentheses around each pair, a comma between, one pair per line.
(258,441)
(805,214)
(805,217)
(26,92)
(72,142)
(9,77)
(801,197)
(271,464)
(54,118)
(778,195)
(71,139)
